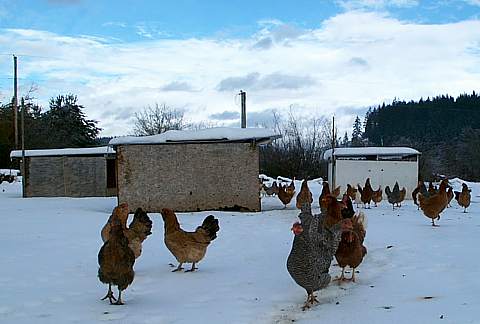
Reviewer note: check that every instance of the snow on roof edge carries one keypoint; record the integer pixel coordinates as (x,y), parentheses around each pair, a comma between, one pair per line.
(362,151)
(216,134)
(65,151)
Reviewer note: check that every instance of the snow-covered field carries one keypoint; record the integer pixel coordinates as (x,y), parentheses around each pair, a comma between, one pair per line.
(413,273)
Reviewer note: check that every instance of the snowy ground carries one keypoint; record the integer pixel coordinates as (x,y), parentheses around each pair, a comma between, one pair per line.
(413,273)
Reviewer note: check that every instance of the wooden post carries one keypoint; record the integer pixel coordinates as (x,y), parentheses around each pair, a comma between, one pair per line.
(15,101)
(333,155)
(22,118)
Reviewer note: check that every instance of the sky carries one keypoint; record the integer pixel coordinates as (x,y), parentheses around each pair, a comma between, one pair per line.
(310,58)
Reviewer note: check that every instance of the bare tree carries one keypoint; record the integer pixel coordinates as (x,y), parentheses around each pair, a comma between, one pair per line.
(299,151)
(157,120)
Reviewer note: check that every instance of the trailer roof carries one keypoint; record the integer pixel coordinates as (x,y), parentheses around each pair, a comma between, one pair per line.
(102,150)
(368,151)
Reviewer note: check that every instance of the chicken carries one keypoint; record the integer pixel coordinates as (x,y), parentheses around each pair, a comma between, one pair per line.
(419,189)
(322,200)
(351,250)
(348,211)
(273,190)
(304,196)
(188,247)
(285,194)
(393,196)
(136,233)
(366,193)
(336,192)
(450,196)
(351,192)
(316,239)
(138,230)
(116,261)
(463,197)
(290,189)
(432,206)
(377,196)
(261,189)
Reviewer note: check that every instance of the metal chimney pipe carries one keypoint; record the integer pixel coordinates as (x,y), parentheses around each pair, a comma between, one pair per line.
(243,97)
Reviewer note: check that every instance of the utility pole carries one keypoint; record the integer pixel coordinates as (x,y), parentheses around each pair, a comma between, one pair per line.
(243,98)
(24,179)
(333,153)
(15,101)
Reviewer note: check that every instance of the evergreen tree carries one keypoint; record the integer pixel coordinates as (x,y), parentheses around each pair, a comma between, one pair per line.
(66,125)
(345,140)
(357,133)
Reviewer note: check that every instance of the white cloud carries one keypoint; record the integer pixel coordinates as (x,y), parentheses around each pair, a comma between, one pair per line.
(376,4)
(355,59)
(473,2)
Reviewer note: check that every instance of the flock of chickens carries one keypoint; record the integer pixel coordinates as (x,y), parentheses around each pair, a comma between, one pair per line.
(7,177)
(338,231)
(122,245)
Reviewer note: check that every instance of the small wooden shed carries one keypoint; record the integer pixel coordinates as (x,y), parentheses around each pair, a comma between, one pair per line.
(383,165)
(210,169)
(70,172)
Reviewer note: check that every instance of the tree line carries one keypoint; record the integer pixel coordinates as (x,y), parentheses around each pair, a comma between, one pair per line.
(63,124)
(446,130)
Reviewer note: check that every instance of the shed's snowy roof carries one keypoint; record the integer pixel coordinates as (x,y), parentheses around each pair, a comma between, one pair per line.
(217,134)
(66,151)
(363,151)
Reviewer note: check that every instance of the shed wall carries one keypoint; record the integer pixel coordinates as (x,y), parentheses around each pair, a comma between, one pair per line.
(188,177)
(65,176)
(383,173)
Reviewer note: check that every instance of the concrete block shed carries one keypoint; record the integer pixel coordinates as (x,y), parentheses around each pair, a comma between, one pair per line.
(72,172)
(383,165)
(210,169)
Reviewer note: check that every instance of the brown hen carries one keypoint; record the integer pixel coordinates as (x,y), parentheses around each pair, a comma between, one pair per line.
(188,247)
(432,206)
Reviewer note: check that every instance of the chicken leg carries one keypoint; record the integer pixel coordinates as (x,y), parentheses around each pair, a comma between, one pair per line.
(192,269)
(178,268)
(311,299)
(341,278)
(353,275)
(119,301)
(109,294)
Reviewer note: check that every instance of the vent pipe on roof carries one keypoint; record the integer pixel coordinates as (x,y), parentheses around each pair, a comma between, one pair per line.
(243,98)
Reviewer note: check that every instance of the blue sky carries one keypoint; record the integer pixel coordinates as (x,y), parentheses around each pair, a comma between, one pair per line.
(316,58)
(126,21)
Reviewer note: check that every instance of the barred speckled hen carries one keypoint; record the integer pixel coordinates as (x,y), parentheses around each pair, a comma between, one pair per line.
(314,245)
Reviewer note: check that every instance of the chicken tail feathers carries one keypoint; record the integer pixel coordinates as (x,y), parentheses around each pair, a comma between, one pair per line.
(141,224)
(359,222)
(210,224)
(457,195)
(388,191)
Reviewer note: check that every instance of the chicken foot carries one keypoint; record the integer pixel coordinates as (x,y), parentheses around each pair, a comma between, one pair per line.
(119,301)
(109,294)
(311,299)
(341,278)
(178,268)
(192,269)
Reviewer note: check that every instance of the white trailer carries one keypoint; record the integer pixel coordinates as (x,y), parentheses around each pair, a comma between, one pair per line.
(383,165)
